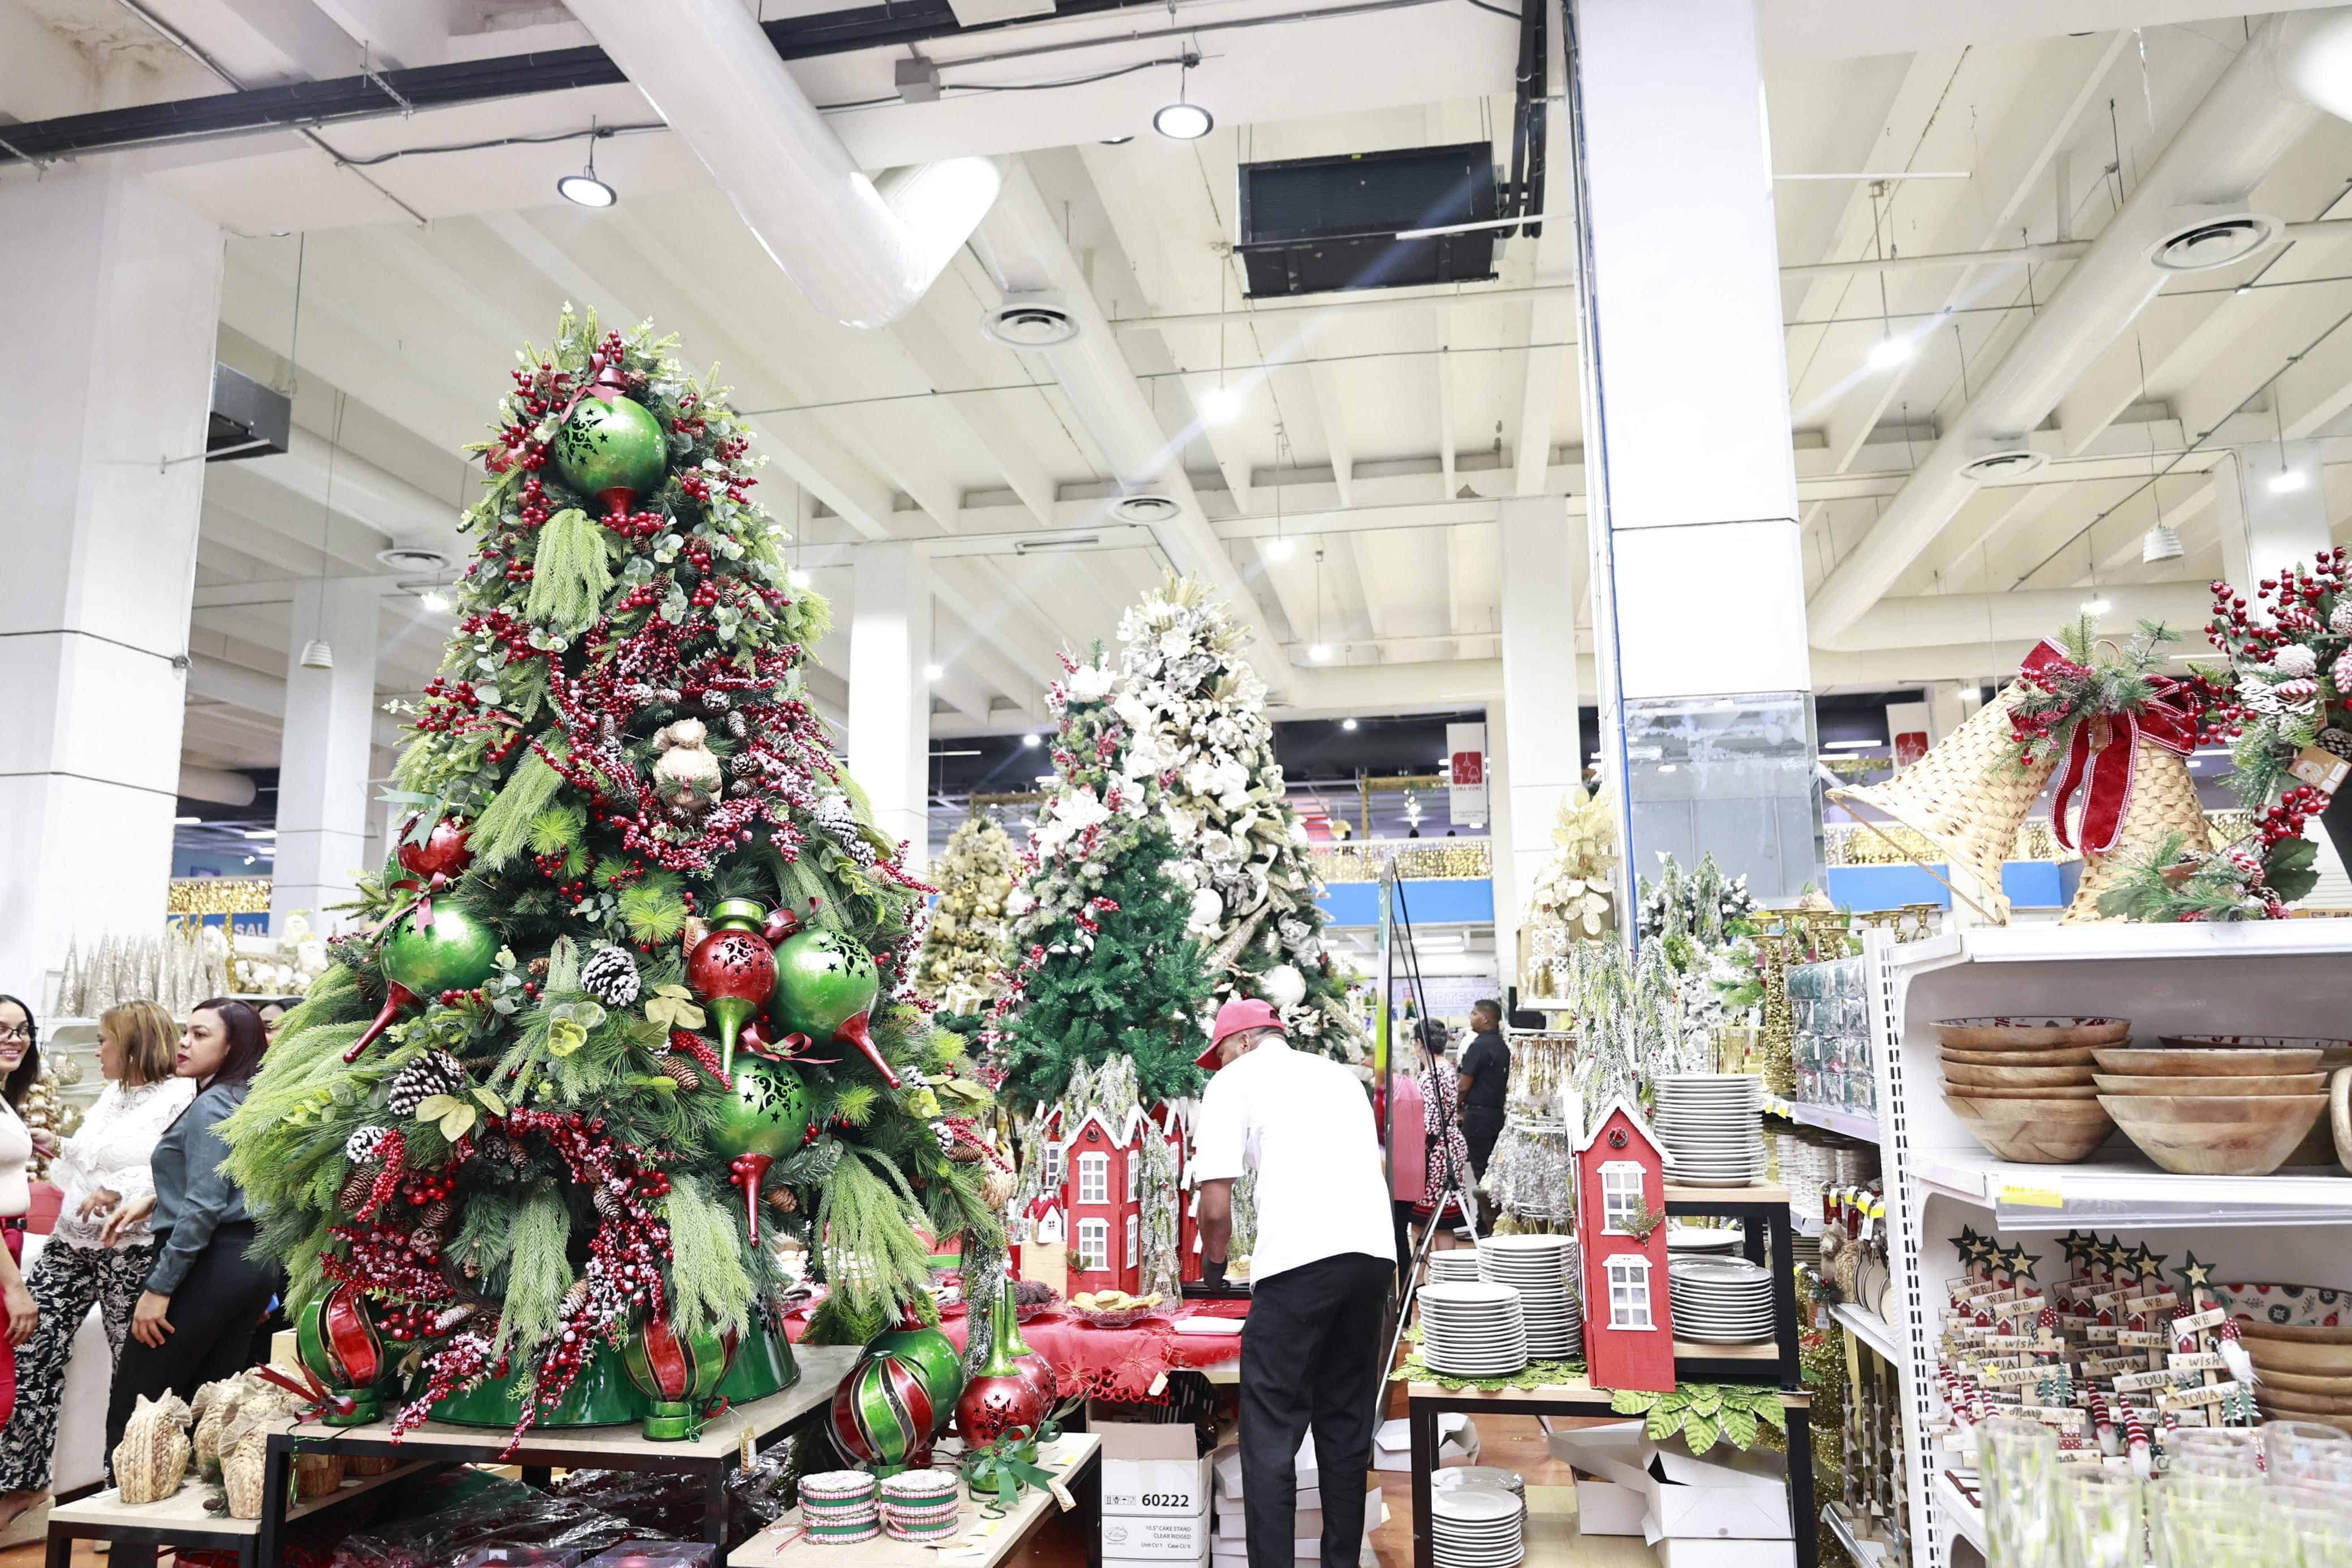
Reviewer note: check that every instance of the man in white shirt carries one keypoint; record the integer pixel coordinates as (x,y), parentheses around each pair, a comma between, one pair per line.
(1319,1275)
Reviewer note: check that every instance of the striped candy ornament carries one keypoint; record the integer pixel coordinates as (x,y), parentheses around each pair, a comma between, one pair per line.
(882,1412)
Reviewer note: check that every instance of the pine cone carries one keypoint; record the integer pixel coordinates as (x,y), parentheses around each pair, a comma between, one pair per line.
(425,1242)
(2338,741)
(361,1147)
(435,1072)
(438,1213)
(610,976)
(783,1201)
(682,1069)
(357,1186)
(736,727)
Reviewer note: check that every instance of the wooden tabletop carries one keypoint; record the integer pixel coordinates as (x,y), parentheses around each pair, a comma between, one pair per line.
(1574,1391)
(822,1369)
(1758,1192)
(182,1514)
(978,1543)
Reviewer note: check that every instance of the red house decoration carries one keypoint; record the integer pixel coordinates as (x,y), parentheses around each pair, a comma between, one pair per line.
(1102,1183)
(1629,1331)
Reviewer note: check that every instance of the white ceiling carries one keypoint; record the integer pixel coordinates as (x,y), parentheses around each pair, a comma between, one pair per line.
(1381,438)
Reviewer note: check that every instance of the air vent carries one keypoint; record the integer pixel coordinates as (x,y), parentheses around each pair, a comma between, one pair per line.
(248,419)
(1030,321)
(1995,467)
(1145,508)
(2216,241)
(415,559)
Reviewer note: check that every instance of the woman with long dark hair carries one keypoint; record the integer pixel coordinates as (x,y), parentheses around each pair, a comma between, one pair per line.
(193,1323)
(20,1065)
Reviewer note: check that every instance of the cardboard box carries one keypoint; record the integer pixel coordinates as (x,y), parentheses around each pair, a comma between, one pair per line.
(1457,1443)
(1200,1561)
(1738,1496)
(1306,1527)
(1621,1441)
(1156,1538)
(1690,1552)
(1606,1507)
(1228,1464)
(1154,1469)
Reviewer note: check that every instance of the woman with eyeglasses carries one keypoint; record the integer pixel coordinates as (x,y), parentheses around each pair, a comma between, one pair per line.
(20,1065)
(194,1322)
(102,1166)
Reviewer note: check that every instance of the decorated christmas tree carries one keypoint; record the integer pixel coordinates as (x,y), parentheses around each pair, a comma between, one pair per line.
(1195,713)
(624,1006)
(1102,965)
(962,959)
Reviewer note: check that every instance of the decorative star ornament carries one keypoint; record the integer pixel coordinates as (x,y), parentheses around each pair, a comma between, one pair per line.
(1965,1245)
(2020,1263)
(2148,1262)
(2079,1246)
(2195,1278)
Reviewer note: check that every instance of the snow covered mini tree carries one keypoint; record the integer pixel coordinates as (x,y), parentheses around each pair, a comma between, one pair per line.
(962,960)
(624,1000)
(1196,717)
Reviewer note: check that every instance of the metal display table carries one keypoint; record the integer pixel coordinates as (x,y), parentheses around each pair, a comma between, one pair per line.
(1076,1459)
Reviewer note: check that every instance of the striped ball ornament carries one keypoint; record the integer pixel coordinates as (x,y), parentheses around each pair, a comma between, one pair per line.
(882,1414)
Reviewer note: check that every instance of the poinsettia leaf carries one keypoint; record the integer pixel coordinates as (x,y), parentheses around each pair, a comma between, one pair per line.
(1699,1432)
(1632,1401)
(1707,1398)
(1665,1421)
(433,1107)
(1739,1426)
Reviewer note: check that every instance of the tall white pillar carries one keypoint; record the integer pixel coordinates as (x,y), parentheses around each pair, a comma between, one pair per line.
(109,354)
(1696,484)
(1537,757)
(889,698)
(325,752)
(2267,527)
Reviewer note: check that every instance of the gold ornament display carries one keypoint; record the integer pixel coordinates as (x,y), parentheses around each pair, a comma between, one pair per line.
(1573,899)
(217,896)
(45,1108)
(962,964)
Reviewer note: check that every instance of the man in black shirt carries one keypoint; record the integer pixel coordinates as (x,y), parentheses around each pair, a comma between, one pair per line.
(1486,1076)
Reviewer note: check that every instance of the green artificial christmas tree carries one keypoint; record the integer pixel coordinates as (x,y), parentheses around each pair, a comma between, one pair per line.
(624,1006)
(1100,962)
(962,959)
(1196,717)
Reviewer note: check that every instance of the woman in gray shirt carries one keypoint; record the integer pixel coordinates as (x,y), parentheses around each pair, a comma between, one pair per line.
(195,1322)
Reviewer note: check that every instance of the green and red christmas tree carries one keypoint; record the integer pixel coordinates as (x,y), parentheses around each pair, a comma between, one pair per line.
(625,1003)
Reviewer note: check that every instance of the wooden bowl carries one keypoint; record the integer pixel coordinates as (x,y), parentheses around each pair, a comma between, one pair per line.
(2280,1402)
(2254,1083)
(2068,1056)
(2293,1355)
(2215,1136)
(2034,1091)
(2155,1064)
(2030,1033)
(2034,1131)
(2309,1383)
(2017,1077)
(2333,1052)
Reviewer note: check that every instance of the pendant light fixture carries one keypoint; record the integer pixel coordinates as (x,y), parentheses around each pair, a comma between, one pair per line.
(1185,121)
(316,654)
(2286,481)
(585,189)
(1318,651)
(1281,546)
(1889,350)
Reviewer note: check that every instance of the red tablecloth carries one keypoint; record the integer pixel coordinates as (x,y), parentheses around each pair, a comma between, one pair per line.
(1108,1364)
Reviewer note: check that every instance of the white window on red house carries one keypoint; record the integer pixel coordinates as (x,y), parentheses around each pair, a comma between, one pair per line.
(1094,1243)
(1620,1196)
(1130,1240)
(1135,1175)
(1629,1293)
(1094,1178)
(1053,1166)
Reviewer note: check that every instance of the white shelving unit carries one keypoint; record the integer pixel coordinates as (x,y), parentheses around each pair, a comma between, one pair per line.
(1853,1124)
(2285,977)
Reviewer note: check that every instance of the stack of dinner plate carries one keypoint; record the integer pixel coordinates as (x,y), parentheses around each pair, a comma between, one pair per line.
(1711,1123)
(1477,1527)
(1538,1267)
(1458,1266)
(1703,1240)
(1720,1300)
(1471,1330)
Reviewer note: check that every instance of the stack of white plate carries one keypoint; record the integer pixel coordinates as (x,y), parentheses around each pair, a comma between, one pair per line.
(1538,1268)
(1471,1330)
(1455,1267)
(1477,1527)
(1493,1478)
(1720,1300)
(1703,1240)
(1710,1123)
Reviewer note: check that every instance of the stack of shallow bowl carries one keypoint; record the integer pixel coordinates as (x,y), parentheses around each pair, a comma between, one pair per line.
(2022,1086)
(2318,1146)
(2301,1345)
(2232,1110)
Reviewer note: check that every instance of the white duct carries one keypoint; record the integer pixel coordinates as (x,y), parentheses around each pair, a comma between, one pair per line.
(1892,626)
(862,254)
(2257,109)
(217,785)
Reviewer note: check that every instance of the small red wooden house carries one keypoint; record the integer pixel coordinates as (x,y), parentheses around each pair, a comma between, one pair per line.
(1102,1184)
(1628,1333)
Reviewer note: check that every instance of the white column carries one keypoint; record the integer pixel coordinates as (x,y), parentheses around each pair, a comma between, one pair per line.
(1537,757)
(1683,272)
(2267,529)
(325,751)
(889,699)
(1950,703)
(108,352)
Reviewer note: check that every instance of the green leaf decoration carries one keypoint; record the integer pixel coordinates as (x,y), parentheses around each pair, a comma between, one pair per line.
(1739,1426)
(673,1007)
(491,1102)
(1633,1401)
(1699,1432)
(458,1122)
(570,574)
(433,1107)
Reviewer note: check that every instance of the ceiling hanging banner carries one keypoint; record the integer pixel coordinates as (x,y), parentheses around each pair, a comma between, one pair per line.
(1466,752)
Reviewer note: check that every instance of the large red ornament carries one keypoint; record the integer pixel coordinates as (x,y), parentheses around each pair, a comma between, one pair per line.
(443,855)
(733,968)
(1001,1396)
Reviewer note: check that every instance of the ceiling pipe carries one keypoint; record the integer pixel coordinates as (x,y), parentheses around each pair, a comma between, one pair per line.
(862,253)
(1893,626)
(2261,104)
(217,786)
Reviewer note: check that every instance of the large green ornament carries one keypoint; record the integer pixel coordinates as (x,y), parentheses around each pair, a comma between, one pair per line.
(767,1112)
(612,448)
(825,988)
(446,950)
(933,1355)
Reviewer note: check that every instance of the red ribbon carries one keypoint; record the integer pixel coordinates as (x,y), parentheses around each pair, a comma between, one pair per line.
(422,902)
(2105,774)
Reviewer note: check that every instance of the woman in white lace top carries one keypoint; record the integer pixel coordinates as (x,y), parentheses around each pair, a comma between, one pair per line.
(101,1168)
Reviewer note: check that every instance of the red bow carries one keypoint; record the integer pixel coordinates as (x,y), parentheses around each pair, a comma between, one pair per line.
(605,381)
(421,901)
(2104,773)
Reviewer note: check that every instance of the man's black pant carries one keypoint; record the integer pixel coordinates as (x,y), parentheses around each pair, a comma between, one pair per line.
(1311,1358)
(1480,1128)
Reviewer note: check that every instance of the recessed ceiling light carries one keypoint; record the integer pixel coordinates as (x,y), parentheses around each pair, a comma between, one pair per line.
(933,672)
(1889,352)
(1281,548)
(1347,724)
(1117,141)
(2287,481)
(2097,606)
(1183,122)
(1320,653)
(1033,740)
(1221,404)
